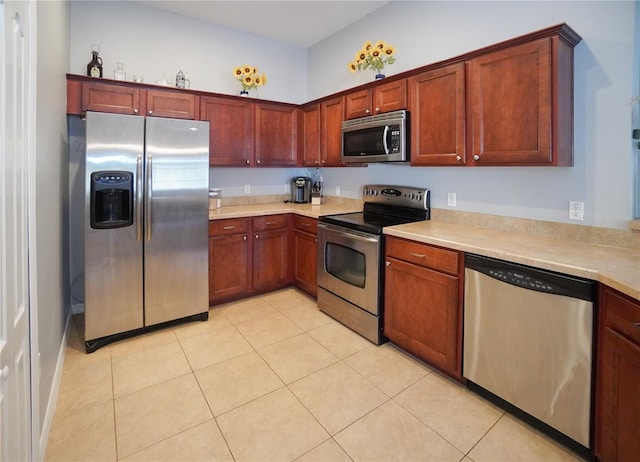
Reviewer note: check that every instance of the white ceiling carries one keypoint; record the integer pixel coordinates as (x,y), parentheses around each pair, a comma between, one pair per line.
(301,23)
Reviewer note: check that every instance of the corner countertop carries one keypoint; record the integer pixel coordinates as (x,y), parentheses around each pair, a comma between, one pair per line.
(307,210)
(617,267)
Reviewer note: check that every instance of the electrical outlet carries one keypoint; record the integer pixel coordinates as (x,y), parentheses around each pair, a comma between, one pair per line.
(451,199)
(337,190)
(287,188)
(576,210)
(247,188)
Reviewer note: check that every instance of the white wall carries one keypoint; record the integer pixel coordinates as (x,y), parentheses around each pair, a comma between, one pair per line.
(51,195)
(424,32)
(151,41)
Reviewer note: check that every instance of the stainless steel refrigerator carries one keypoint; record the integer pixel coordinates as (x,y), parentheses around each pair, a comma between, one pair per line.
(145,225)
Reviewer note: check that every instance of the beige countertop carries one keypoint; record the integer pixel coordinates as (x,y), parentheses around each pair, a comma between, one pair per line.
(308,210)
(617,267)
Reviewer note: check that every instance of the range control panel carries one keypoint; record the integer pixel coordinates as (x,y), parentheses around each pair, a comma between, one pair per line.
(398,196)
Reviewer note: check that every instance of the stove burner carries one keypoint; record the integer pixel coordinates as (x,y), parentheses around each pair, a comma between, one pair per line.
(385,206)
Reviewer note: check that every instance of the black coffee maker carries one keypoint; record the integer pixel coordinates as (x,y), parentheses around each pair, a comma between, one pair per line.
(301,190)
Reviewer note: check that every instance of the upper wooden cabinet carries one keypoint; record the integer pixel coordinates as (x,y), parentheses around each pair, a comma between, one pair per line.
(276,141)
(384,97)
(322,139)
(125,98)
(117,99)
(513,106)
(244,133)
(437,111)
(521,105)
(176,104)
(231,130)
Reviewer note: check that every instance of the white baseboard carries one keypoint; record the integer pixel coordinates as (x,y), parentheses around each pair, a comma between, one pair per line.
(55,388)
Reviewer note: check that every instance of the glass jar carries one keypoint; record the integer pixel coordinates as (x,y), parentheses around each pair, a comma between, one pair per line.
(119,73)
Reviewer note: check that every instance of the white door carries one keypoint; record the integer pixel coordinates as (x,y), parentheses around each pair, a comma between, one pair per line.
(15,149)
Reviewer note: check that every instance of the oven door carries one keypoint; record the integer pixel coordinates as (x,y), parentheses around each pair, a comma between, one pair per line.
(349,265)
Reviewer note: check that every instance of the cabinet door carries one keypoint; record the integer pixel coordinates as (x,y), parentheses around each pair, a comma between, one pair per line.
(437,108)
(618,379)
(357,104)
(511,101)
(270,260)
(331,118)
(421,313)
(390,96)
(276,135)
(311,136)
(228,267)
(231,130)
(117,99)
(174,104)
(305,261)
(620,405)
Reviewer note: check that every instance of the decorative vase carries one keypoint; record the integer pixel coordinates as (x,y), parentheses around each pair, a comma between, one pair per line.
(244,93)
(379,76)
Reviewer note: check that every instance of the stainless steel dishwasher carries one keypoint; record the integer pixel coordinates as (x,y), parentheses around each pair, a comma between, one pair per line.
(528,336)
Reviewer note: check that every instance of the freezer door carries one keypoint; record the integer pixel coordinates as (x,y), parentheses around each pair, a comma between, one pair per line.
(176,265)
(113,255)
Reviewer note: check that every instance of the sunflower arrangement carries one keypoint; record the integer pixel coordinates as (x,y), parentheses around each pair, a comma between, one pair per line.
(249,78)
(373,57)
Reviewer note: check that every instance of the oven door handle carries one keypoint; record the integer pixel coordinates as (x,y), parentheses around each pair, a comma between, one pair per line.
(350,233)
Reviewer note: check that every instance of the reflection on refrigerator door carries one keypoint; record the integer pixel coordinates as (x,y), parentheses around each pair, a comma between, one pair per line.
(146,224)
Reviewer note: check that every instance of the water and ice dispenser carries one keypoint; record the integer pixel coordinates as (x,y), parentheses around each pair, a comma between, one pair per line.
(111,199)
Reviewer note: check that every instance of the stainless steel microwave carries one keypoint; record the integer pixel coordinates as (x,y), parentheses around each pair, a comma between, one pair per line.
(377,138)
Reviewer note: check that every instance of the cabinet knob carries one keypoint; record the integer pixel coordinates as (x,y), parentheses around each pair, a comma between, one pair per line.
(458,158)
(256,236)
(387,263)
(247,161)
(317,161)
(367,111)
(150,112)
(323,161)
(476,157)
(244,238)
(257,161)
(636,325)
(377,109)
(135,111)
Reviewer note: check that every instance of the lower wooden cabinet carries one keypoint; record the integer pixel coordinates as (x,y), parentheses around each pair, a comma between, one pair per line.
(618,379)
(271,252)
(423,302)
(248,256)
(305,254)
(229,275)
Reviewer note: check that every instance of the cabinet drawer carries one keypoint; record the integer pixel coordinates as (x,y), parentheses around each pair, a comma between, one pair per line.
(310,225)
(423,254)
(228,226)
(622,315)
(270,222)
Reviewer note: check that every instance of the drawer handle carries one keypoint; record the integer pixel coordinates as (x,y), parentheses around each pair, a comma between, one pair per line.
(229,227)
(269,223)
(306,224)
(417,255)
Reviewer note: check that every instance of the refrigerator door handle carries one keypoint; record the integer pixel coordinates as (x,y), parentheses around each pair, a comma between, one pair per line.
(139,198)
(147,205)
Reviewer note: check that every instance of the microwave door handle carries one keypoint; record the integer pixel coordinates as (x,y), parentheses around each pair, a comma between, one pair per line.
(384,139)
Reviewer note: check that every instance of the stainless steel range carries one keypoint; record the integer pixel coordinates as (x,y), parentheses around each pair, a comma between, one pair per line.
(351,255)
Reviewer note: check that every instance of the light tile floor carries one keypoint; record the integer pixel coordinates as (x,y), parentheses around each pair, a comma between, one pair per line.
(272,378)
